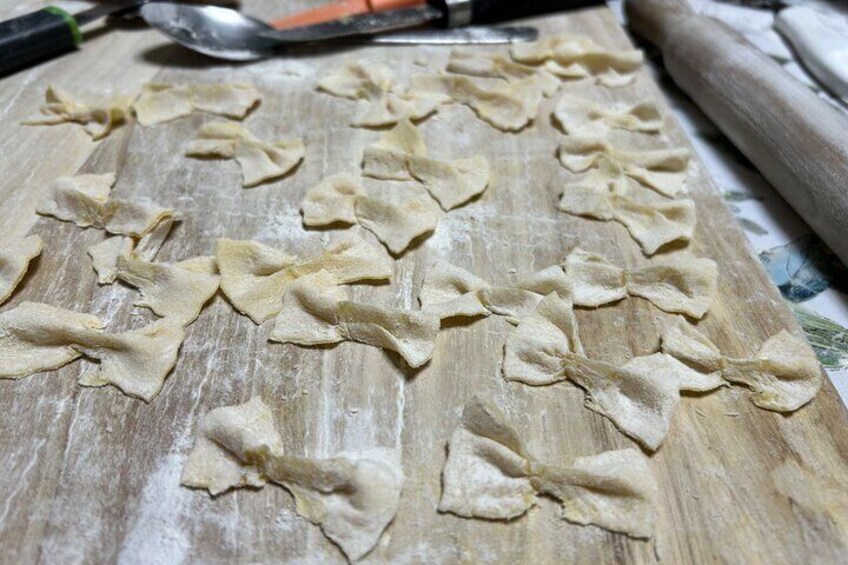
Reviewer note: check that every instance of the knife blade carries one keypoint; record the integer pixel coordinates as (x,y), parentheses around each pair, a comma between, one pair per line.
(472,35)
(358,25)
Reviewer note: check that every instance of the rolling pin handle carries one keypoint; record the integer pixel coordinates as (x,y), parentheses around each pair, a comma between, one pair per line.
(29,39)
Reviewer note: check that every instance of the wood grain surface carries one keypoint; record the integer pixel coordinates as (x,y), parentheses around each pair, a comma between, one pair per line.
(92,476)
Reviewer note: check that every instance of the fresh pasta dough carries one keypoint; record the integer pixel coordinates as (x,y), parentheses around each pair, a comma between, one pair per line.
(640,397)
(663,170)
(784,374)
(585,118)
(254,276)
(173,290)
(508,107)
(316,311)
(353,496)
(86,201)
(400,154)
(160,103)
(38,337)
(341,199)
(485,65)
(490,474)
(681,284)
(15,257)
(534,351)
(385,103)
(576,57)
(603,197)
(259,161)
(449,291)
(97,118)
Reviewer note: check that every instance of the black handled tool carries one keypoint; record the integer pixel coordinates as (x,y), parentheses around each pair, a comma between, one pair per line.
(47,33)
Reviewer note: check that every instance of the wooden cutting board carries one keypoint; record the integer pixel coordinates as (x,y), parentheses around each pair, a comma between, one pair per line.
(90,475)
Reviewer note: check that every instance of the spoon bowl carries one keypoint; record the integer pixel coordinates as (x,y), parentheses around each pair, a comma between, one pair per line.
(212,30)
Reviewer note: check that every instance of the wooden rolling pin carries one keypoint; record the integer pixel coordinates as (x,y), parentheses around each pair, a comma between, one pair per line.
(796,140)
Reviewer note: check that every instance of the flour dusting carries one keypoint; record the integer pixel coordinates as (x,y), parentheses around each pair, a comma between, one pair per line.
(156,535)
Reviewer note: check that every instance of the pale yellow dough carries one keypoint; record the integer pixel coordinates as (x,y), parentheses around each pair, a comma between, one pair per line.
(316,311)
(606,197)
(352,496)
(576,57)
(663,170)
(490,474)
(97,118)
(85,200)
(679,284)
(254,276)
(784,375)
(160,103)
(37,337)
(640,397)
(449,291)
(259,161)
(341,199)
(509,107)
(582,117)
(400,154)
(172,290)
(15,257)
(485,65)
(683,284)
(386,104)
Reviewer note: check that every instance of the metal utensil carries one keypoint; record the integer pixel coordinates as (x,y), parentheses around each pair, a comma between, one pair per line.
(228,34)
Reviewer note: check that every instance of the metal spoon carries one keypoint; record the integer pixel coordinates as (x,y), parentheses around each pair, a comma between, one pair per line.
(224,33)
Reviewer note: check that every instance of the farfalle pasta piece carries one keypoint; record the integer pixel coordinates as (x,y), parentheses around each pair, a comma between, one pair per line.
(574,57)
(340,198)
(784,375)
(640,397)
(37,337)
(172,290)
(333,200)
(682,284)
(397,225)
(486,65)
(534,350)
(15,257)
(400,154)
(259,161)
(254,276)
(581,117)
(160,103)
(374,84)
(449,291)
(352,496)
(663,170)
(508,107)
(490,474)
(317,311)
(603,197)
(97,118)
(85,200)
(104,257)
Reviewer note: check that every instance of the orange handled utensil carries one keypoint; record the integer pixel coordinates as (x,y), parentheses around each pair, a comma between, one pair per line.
(339,10)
